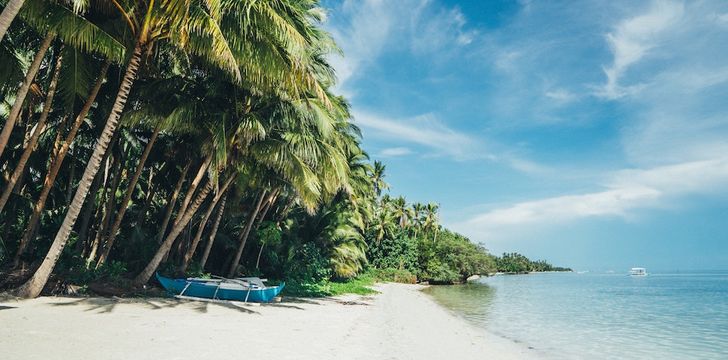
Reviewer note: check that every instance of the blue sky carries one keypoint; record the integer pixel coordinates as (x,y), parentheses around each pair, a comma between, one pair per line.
(591,134)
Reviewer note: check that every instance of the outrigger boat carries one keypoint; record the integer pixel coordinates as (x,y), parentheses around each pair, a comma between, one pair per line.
(246,289)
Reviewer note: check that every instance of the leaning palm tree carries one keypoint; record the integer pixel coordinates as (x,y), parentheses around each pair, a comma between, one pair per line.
(55,20)
(273,49)
(150,22)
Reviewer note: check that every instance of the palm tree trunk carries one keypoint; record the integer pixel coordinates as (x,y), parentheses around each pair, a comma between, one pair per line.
(260,252)
(172,201)
(39,127)
(23,90)
(8,14)
(268,204)
(151,191)
(213,232)
(57,140)
(193,187)
(144,276)
(99,181)
(117,171)
(244,234)
(183,208)
(58,161)
(127,197)
(200,229)
(33,287)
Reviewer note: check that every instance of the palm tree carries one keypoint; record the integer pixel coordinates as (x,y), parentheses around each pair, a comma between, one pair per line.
(23,91)
(39,128)
(431,221)
(378,177)
(52,19)
(418,220)
(149,22)
(56,163)
(401,211)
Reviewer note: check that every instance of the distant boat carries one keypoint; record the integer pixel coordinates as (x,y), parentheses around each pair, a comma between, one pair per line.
(638,271)
(247,289)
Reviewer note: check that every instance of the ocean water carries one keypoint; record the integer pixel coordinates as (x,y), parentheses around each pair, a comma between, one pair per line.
(600,316)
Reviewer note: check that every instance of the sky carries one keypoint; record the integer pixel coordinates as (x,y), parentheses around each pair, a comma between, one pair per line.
(590,134)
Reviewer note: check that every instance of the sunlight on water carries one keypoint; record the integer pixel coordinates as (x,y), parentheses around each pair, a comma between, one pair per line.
(591,316)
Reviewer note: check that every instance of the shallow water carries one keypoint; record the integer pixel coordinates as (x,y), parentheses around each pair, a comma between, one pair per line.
(601,316)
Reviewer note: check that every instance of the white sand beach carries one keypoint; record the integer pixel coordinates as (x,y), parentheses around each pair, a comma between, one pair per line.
(399,323)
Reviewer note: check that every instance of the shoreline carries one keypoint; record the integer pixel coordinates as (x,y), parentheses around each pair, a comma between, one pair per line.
(400,322)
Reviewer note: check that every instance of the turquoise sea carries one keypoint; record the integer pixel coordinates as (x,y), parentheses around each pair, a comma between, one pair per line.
(600,316)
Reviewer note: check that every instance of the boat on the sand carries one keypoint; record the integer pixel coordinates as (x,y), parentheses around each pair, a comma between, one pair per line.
(246,289)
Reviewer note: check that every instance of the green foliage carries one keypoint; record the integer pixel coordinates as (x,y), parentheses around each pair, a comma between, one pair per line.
(74,270)
(393,275)
(517,263)
(399,252)
(307,265)
(360,285)
(196,271)
(269,234)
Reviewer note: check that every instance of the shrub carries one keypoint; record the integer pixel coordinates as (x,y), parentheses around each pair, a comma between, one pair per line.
(308,265)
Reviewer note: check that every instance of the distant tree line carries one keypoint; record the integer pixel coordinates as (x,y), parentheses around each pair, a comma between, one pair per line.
(517,263)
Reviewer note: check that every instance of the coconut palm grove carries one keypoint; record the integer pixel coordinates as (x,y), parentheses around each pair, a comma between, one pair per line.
(195,137)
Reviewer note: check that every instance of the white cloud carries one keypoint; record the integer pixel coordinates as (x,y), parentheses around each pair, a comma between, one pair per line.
(365,28)
(721,19)
(437,30)
(395,151)
(363,37)
(631,41)
(506,60)
(561,96)
(627,190)
(426,130)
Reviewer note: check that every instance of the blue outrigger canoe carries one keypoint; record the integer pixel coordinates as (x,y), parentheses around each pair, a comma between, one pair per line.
(248,289)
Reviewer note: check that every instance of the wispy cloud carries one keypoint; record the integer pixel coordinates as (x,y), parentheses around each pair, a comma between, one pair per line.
(395,151)
(372,26)
(436,29)
(425,130)
(363,37)
(632,40)
(561,96)
(626,191)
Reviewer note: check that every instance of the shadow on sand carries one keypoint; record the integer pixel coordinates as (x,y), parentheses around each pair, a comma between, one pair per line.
(107,305)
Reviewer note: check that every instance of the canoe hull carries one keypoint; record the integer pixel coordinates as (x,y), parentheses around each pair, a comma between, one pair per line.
(208,290)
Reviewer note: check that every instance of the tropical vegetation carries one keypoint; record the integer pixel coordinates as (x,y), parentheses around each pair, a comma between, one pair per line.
(194,137)
(516,263)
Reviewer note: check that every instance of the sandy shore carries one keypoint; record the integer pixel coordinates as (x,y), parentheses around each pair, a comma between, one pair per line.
(399,323)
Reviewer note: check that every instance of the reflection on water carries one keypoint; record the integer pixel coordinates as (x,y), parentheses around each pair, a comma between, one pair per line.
(599,316)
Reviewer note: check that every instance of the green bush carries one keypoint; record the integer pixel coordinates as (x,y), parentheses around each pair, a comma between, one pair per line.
(393,275)
(308,265)
(399,252)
